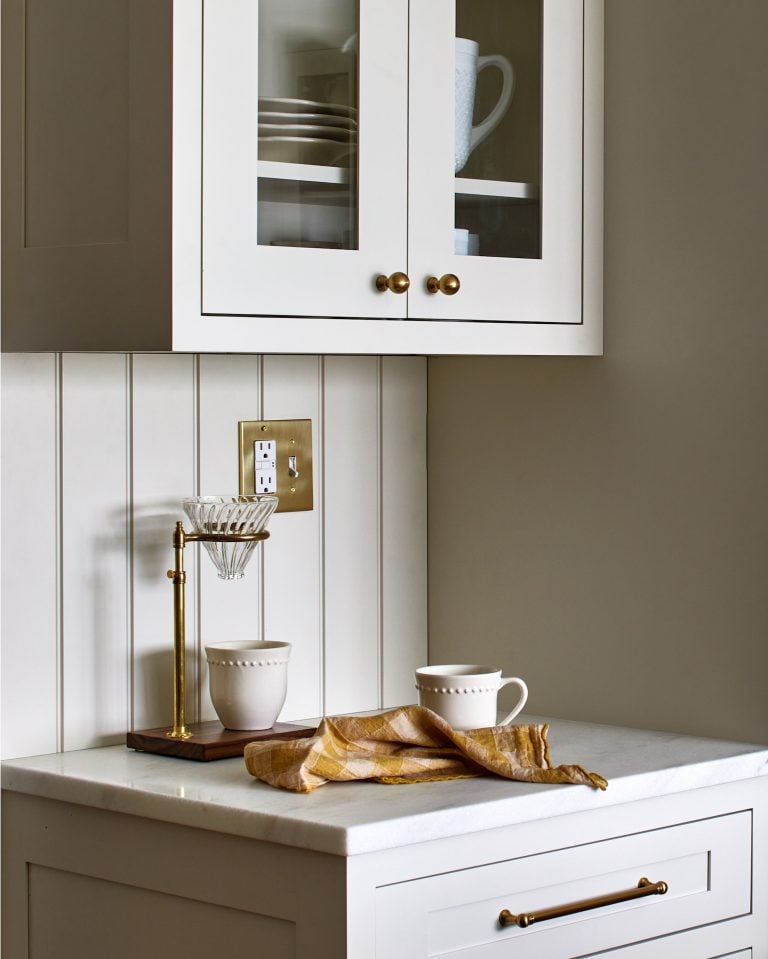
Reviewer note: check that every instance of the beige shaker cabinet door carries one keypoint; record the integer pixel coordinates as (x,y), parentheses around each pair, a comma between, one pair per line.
(304,157)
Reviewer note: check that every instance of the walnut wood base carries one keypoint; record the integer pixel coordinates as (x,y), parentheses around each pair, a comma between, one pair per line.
(210,740)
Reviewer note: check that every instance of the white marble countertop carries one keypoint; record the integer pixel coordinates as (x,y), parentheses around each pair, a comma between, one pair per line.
(353,818)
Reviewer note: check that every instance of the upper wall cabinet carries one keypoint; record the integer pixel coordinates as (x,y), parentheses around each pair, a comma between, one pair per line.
(314,176)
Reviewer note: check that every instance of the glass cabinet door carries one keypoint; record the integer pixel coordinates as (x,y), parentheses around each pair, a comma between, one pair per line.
(495,194)
(304,153)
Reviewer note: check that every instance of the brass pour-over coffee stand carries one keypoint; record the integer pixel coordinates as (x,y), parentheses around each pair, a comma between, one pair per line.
(209,740)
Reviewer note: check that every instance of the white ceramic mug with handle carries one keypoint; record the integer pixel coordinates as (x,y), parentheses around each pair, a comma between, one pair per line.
(468,64)
(465,695)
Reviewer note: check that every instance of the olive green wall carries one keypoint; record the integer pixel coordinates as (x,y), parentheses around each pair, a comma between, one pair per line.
(600,526)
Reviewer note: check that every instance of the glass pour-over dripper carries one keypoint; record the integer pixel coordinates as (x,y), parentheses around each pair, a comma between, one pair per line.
(245,514)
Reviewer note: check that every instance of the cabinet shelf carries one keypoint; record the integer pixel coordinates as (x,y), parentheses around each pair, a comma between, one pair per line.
(496,189)
(303,172)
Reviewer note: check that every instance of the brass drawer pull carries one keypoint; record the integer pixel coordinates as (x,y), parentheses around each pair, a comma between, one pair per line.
(524,919)
(397,283)
(449,284)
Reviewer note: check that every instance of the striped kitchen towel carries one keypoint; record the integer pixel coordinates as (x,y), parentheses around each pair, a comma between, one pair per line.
(407,745)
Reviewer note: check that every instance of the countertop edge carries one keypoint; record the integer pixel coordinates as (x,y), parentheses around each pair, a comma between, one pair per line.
(368,837)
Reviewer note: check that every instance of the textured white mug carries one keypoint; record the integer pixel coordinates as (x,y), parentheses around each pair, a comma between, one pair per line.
(460,242)
(465,696)
(465,243)
(468,65)
(248,682)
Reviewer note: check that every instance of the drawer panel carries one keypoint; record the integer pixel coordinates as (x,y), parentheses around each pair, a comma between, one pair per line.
(673,947)
(706,864)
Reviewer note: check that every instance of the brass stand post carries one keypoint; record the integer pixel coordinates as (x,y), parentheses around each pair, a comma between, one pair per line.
(179,577)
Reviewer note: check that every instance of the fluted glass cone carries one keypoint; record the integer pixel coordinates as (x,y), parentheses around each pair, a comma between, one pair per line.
(230,514)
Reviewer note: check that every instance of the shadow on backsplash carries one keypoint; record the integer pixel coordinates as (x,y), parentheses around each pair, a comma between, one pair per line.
(153,524)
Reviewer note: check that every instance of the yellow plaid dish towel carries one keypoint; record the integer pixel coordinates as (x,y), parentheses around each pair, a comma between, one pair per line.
(406,745)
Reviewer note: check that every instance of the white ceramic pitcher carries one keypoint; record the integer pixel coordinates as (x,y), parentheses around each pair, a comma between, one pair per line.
(468,64)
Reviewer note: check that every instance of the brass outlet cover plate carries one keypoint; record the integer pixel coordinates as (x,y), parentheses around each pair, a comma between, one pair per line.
(292,438)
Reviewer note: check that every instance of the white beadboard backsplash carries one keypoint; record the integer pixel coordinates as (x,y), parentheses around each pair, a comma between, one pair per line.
(97,452)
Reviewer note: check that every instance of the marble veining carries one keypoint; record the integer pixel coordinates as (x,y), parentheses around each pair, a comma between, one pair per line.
(353,818)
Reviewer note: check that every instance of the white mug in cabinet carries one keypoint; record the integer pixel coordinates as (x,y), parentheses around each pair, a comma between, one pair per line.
(465,243)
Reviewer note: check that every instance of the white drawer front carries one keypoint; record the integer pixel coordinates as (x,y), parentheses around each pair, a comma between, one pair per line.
(674,947)
(706,864)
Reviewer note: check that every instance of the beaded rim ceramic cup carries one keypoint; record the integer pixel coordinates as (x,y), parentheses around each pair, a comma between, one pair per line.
(248,682)
(465,695)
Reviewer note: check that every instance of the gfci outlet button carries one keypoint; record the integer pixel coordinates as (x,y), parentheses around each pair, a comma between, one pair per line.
(275,456)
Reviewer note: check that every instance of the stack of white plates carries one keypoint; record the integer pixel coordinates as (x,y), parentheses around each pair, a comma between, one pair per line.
(305,131)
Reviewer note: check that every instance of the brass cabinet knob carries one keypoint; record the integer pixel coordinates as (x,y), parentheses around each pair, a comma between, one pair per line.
(449,284)
(397,283)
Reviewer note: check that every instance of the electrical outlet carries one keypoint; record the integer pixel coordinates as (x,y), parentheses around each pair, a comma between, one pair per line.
(275,456)
(265,466)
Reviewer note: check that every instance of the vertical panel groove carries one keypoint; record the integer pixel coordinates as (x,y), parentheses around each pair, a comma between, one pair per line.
(380,526)
(195,605)
(351,526)
(403,525)
(163,471)
(261,552)
(320,504)
(59,556)
(229,391)
(291,390)
(94,548)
